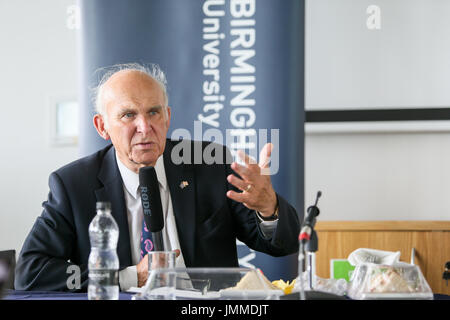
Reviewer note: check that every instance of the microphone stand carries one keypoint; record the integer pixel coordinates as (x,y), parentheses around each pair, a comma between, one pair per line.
(311,249)
(308,242)
(309,245)
(308,250)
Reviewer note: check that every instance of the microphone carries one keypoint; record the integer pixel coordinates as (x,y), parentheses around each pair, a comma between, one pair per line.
(151,204)
(310,221)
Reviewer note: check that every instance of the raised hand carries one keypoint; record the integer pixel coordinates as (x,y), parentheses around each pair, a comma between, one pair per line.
(255,184)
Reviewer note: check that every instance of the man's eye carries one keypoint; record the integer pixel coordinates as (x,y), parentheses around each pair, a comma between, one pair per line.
(155,114)
(128,115)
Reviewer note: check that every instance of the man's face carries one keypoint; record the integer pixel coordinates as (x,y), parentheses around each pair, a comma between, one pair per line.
(136,121)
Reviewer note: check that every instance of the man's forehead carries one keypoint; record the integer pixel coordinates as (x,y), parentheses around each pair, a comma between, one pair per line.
(131,85)
(130,78)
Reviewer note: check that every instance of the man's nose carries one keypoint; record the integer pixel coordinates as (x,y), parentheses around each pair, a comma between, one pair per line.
(143,124)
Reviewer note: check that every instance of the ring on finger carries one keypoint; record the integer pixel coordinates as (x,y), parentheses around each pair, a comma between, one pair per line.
(249,186)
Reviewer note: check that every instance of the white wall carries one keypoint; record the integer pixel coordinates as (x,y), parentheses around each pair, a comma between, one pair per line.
(399,171)
(353,63)
(37,62)
(379,176)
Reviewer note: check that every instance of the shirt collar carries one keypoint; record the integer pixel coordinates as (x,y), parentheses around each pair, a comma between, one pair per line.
(131,179)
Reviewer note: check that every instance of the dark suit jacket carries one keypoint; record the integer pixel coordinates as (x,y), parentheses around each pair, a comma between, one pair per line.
(208,222)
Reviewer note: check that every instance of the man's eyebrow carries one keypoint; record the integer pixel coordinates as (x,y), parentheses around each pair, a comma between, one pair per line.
(125,108)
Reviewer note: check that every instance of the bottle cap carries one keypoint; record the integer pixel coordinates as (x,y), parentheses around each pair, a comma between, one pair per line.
(103,206)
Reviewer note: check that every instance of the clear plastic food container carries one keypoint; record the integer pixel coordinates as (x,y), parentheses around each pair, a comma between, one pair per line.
(398,281)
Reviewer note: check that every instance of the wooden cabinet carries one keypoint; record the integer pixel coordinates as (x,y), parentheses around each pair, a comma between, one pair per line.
(430,239)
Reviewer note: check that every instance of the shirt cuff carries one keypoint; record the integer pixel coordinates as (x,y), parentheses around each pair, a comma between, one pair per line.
(128,278)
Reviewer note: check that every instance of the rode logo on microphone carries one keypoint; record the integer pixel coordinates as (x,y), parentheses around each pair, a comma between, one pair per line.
(145,201)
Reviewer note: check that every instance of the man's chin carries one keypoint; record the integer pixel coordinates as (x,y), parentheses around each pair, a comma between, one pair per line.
(145,161)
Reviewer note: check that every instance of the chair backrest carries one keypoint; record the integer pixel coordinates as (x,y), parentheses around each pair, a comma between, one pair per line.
(9,258)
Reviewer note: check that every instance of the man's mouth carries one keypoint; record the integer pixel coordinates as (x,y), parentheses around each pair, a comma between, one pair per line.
(144,145)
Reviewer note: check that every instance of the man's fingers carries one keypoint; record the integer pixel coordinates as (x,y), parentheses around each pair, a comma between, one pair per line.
(142,270)
(237,196)
(238,183)
(246,158)
(240,197)
(264,155)
(241,170)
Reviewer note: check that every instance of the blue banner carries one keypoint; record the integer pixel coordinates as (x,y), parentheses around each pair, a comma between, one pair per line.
(235,71)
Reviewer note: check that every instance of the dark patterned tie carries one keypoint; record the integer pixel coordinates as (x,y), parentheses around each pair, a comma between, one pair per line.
(146,240)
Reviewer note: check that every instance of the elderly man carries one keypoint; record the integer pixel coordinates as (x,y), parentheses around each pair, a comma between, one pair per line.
(205,206)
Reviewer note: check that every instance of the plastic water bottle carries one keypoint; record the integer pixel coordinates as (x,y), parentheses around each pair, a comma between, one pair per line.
(103,260)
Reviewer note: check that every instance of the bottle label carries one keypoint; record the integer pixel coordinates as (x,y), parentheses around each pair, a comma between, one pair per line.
(104,277)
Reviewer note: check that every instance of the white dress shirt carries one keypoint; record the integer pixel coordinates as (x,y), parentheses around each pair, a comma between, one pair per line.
(128,276)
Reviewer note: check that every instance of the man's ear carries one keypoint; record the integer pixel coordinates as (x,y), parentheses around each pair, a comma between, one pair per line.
(99,124)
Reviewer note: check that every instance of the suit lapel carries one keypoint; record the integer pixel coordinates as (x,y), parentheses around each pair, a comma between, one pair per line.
(183,202)
(112,191)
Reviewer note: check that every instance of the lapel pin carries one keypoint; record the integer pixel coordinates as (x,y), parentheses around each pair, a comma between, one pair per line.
(183,184)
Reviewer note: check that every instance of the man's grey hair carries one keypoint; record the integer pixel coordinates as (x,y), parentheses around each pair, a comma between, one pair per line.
(152,70)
